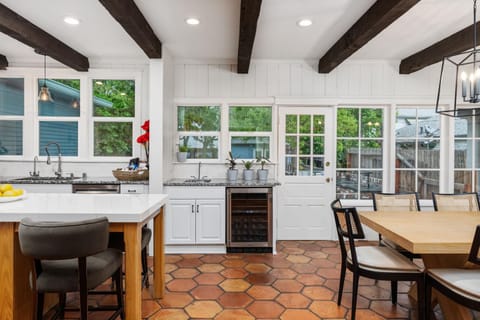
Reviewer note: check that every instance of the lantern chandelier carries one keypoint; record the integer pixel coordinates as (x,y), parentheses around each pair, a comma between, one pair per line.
(460,78)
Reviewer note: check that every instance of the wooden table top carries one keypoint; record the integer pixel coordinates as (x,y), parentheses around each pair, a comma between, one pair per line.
(426,232)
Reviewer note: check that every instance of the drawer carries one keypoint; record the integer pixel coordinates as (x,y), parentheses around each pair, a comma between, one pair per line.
(195,192)
(133,188)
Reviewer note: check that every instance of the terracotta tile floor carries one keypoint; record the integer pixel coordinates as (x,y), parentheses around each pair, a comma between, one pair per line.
(300,283)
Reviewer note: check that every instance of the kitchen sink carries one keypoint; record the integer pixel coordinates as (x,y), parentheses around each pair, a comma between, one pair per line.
(39,178)
(198,180)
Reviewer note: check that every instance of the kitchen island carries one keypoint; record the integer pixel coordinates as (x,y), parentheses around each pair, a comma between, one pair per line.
(126,213)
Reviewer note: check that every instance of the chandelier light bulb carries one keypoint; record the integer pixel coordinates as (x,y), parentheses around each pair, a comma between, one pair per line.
(463,76)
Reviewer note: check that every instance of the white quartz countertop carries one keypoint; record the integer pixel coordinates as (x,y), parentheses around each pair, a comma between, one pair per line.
(72,207)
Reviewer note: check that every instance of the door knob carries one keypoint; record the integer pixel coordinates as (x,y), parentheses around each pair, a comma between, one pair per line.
(327,180)
(327,164)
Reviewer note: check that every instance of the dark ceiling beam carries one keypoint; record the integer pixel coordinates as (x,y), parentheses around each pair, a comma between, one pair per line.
(132,20)
(379,16)
(26,32)
(3,62)
(249,12)
(452,45)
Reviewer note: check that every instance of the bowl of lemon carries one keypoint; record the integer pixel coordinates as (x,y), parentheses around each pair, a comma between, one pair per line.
(9,193)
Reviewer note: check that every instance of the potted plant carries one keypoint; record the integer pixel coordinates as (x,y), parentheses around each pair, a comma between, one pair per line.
(182,153)
(262,173)
(248,172)
(232,173)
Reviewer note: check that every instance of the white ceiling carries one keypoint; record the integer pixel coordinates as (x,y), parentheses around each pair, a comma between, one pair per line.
(100,37)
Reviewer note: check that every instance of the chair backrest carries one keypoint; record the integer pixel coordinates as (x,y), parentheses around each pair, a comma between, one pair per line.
(405,201)
(349,228)
(474,254)
(63,240)
(456,202)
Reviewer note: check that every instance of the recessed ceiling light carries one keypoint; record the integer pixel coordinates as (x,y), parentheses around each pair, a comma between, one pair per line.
(71,21)
(192,21)
(304,23)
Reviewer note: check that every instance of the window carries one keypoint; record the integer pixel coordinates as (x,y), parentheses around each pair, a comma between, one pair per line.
(58,119)
(11,116)
(113,117)
(199,129)
(359,152)
(417,151)
(467,155)
(250,131)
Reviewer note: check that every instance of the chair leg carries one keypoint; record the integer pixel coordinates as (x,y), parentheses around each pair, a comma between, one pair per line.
(428,299)
(40,301)
(82,271)
(62,300)
(354,294)
(145,280)
(119,292)
(342,281)
(394,288)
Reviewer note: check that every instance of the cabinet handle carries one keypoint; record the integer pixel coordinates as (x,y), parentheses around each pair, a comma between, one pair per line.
(198,206)
(193,209)
(131,191)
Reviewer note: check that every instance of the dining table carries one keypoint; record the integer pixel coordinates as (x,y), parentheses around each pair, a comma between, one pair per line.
(126,213)
(442,238)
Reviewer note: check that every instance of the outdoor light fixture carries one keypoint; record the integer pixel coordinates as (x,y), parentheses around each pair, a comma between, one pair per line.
(44,94)
(460,79)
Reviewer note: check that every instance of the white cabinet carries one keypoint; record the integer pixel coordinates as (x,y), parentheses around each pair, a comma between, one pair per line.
(195,215)
(45,188)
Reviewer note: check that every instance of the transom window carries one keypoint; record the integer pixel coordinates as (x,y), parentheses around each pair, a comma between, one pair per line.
(359,152)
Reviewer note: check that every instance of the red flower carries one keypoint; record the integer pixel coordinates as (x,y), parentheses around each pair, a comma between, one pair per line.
(146,125)
(144,138)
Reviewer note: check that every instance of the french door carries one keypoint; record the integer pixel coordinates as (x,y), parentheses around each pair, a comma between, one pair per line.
(305,167)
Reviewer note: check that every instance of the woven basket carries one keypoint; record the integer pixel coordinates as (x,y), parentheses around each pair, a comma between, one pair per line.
(131,175)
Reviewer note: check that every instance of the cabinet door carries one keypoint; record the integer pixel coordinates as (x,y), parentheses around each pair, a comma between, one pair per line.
(180,222)
(210,221)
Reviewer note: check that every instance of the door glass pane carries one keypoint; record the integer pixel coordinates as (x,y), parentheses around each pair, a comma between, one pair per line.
(65,133)
(113,98)
(304,166)
(201,147)
(291,125)
(318,166)
(305,144)
(477,179)
(250,147)
(477,158)
(372,123)
(305,123)
(428,154)
(347,184)
(406,123)
(11,137)
(112,139)
(405,154)
(318,145)
(463,182)
(319,124)
(66,98)
(199,118)
(291,145)
(428,182)
(370,181)
(11,96)
(405,181)
(290,166)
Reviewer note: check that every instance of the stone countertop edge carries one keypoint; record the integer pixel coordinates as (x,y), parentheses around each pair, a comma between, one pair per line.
(223,183)
(89,180)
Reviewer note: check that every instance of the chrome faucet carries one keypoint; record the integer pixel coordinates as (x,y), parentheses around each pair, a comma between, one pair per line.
(35,173)
(58,173)
(198,177)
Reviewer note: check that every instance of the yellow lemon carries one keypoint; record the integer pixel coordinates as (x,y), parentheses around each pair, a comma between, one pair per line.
(18,192)
(5,187)
(9,193)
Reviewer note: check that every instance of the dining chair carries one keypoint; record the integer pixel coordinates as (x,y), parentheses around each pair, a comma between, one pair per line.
(71,257)
(116,241)
(390,203)
(456,202)
(374,262)
(458,284)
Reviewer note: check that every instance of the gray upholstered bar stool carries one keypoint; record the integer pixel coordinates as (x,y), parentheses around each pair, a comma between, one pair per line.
(71,257)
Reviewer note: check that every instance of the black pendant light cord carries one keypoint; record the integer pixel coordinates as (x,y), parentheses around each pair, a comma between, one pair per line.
(45,69)
(474,34)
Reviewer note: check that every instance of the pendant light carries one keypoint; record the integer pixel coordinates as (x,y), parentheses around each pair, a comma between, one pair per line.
(44,94)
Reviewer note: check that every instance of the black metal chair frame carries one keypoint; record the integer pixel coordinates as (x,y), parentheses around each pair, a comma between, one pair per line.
(435,204)
(351,215)
(431,282)
(82,278)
